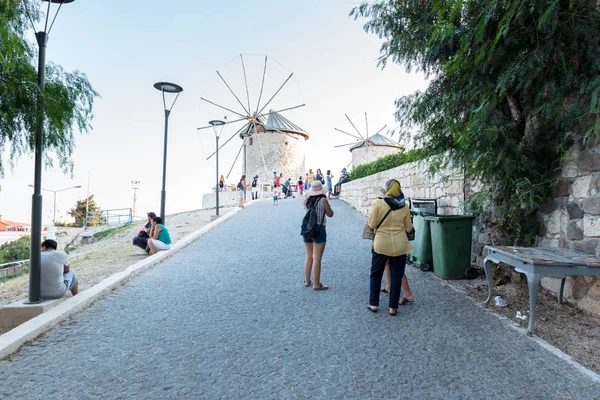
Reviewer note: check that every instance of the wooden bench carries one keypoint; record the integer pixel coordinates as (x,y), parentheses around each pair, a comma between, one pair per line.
(538,262)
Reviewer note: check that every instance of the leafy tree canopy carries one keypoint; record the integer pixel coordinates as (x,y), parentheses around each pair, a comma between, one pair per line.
(512,83)
(79,212)
(16,250)
(68,96)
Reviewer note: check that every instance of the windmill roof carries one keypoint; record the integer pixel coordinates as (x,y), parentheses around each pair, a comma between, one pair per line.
(275,122)
(377,140)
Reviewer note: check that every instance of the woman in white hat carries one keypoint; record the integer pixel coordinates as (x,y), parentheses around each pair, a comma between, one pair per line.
(315,246)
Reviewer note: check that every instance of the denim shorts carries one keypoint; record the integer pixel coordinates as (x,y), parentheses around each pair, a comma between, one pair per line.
(322,238)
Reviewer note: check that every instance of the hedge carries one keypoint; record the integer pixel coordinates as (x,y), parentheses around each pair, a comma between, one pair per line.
(387,162)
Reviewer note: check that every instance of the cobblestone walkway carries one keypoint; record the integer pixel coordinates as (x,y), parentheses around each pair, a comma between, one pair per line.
(228,317)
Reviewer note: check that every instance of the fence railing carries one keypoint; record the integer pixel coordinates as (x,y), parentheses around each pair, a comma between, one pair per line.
(116,216)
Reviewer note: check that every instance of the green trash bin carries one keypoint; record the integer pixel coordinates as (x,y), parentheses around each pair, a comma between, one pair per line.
(422,254)
(451,245)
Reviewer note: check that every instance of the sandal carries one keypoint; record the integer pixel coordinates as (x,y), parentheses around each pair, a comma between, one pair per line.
(393,314)
(372,309)
(307,284)
(405,301)
(384,290)
(321,287)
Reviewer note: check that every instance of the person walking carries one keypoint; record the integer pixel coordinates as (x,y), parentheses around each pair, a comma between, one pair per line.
(275,196)
(316,246)
(392,216)
(310,177)
(328,179)
(300,186)
(241,188)
(255,185)
(221,183)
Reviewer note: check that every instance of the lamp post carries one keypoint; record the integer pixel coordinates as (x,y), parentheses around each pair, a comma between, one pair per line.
(166,87)
(56,191)
(36,199)
(217,128)
(135,185)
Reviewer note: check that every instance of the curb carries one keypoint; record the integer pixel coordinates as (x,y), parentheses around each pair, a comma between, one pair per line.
(12,340)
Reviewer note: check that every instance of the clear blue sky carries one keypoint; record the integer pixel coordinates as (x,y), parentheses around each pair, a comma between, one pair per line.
(125,47)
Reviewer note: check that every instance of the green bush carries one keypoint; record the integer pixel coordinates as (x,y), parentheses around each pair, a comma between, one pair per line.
(16,250)
(387,162)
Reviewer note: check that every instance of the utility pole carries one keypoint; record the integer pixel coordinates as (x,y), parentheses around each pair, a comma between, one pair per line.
(135,185)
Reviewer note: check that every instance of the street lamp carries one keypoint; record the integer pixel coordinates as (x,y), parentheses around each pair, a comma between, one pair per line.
(56,191)
(166,87)
(36,199)
(135,185)
(217,128)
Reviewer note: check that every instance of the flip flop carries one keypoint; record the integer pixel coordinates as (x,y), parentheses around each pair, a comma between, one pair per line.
(307,284)
(321,287)
(405,301)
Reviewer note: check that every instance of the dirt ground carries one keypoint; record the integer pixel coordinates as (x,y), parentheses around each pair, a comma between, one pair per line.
(575,332)
(96,261)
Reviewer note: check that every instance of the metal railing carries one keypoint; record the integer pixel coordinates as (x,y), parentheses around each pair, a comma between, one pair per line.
(116,216)
(10,264)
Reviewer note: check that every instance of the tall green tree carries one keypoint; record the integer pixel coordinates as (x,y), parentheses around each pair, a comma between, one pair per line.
(16,250)
(512,84)
(68,96)
(79,212)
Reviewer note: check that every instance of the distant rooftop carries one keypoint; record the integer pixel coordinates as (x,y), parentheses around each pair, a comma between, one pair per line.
(378,140)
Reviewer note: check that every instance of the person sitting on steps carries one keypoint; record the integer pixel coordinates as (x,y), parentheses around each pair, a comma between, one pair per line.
(160,239)
(57,278)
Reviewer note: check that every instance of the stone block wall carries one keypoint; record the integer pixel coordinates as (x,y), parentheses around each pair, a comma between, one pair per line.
(572,220)
(282,152)
(447,186)
(366,154)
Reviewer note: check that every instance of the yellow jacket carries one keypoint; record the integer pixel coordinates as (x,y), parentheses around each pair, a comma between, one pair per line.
(390,238)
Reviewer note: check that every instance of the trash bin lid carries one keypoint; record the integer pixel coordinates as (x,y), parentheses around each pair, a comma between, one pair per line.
(442,218)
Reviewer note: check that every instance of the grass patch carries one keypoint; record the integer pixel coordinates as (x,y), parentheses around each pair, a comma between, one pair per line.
(111,232)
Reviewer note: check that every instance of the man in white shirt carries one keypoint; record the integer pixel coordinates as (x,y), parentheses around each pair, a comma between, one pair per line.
(56,276)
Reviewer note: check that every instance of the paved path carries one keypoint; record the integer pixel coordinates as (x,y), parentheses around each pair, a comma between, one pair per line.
(228,317)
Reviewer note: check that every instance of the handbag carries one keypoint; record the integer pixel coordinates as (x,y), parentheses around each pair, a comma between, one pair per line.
(368,232)
(411,235)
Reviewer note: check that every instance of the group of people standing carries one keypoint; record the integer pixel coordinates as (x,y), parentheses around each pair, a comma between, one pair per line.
(390,219)
(305,183)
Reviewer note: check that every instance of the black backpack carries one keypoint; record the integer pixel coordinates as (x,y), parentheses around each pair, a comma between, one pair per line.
(254,183)
(310,227)
(240,186)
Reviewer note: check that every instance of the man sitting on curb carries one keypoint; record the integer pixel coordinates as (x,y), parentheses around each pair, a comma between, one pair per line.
(56,276)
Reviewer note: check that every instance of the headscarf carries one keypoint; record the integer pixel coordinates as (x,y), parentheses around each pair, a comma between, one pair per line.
(393,194)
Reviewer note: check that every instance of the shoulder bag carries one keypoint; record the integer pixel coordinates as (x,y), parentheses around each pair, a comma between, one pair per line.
(368,232)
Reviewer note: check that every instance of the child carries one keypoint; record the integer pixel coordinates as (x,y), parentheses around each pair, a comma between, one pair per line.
(275,196)
(300,186)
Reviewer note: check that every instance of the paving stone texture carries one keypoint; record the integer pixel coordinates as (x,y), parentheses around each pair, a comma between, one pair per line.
(228,317)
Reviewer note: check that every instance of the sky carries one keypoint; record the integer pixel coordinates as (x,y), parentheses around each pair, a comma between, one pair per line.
(125,47)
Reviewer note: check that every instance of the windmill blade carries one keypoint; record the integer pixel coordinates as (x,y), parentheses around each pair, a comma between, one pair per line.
(278,90)
(354,126)
(380,129)
(236,157)
(224,108)
(349,164)
(228,122)
(228,140)
(261,86)
(282,110)
(347,144)
(233,93)
(246,81)
(349,134)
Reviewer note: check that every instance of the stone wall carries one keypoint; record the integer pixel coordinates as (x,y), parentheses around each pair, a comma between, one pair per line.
(367,154)
(446,185)
(283,153)
(572,220)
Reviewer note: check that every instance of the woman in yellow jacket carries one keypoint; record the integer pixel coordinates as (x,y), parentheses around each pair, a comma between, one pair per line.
(391,243)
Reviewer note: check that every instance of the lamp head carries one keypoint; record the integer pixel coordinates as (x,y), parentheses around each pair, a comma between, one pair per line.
(168,87)
(59,1)
(215,123)
(77,187)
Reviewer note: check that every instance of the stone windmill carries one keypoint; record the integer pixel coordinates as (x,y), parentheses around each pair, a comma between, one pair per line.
(369,148)
(270,141)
